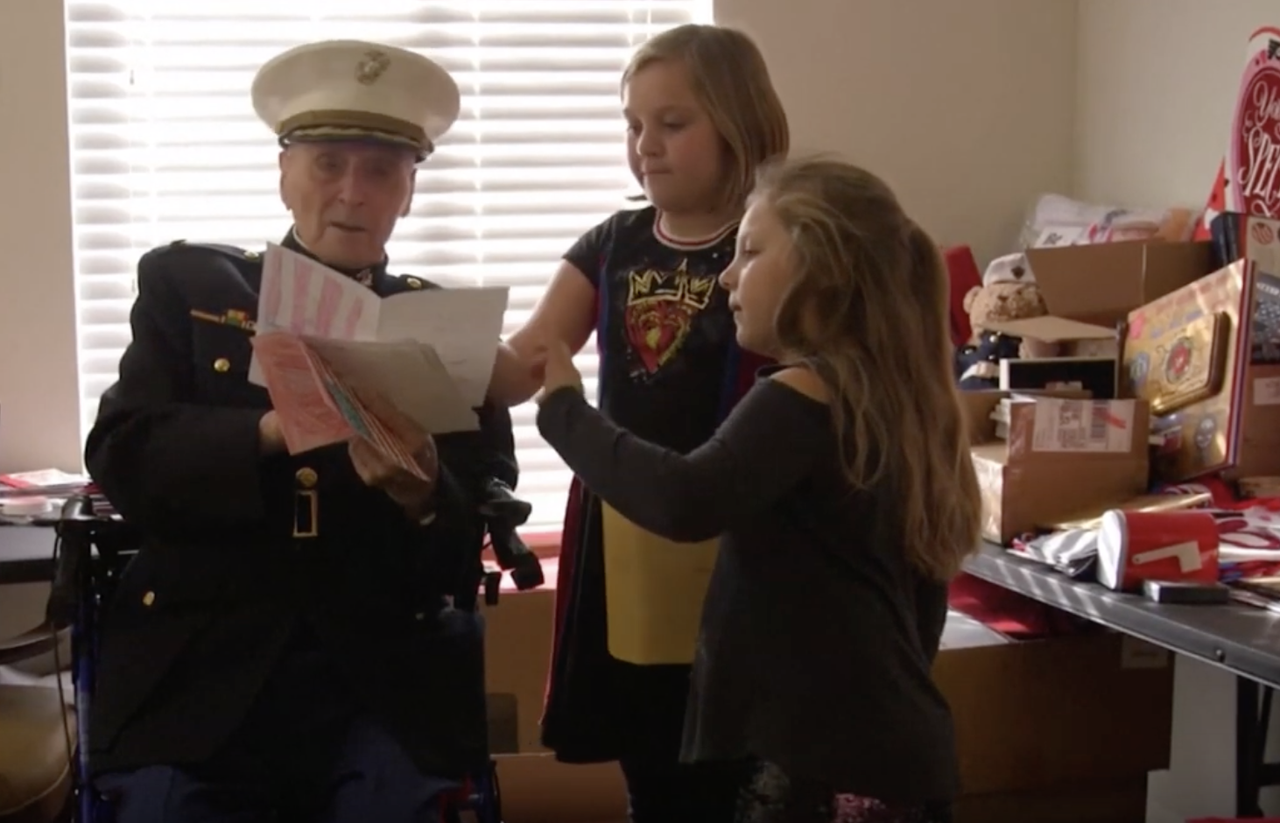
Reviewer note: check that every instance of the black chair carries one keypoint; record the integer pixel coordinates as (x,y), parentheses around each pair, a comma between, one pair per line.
(90,555)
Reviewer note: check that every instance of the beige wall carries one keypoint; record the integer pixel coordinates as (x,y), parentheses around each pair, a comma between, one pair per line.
(964,107)
(1156,87)
(39,394)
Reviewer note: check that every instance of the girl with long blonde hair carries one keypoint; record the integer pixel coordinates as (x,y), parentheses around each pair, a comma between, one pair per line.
(845,498)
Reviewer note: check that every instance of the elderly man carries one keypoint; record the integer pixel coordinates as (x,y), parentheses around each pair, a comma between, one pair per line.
(282,648)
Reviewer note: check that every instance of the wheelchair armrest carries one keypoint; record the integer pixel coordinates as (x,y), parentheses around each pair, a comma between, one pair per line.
(33,643)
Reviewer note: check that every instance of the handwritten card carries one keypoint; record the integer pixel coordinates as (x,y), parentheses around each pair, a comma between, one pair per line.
(302,296)
(408,376)
(461,328)
(308,417)
(363,423)
(317,407)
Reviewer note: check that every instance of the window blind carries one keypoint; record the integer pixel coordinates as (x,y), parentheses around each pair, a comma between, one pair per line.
(165,146)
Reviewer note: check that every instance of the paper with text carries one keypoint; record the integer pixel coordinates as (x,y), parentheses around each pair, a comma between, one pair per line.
(408,375)
(461,327)
(302,296)
(308,419)
(396,445)
(317,407)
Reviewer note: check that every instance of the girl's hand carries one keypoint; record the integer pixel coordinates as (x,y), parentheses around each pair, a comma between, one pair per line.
(558,369)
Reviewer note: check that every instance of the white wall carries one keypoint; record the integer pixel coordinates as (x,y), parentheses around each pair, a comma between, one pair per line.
(1156,87)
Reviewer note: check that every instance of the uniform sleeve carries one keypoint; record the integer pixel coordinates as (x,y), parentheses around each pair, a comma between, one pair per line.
(588,252)
(166,463)
(768,443)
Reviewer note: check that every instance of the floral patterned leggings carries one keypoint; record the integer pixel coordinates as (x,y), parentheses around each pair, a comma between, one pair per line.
(770,796)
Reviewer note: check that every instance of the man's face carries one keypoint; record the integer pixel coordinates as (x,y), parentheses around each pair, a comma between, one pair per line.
(346,198)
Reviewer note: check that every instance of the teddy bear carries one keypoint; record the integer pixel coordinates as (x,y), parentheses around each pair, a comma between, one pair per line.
(1008,292)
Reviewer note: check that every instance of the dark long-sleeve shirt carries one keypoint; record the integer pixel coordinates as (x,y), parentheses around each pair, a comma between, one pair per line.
(817,637)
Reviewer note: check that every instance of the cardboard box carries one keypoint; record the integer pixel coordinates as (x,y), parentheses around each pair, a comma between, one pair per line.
(1116,801)
(1033,716)
(1090,289)
(517,654)
(537,788)
(1030,718)
(1056,460)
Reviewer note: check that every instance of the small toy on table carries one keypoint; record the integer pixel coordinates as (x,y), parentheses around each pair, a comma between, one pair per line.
(1008,292)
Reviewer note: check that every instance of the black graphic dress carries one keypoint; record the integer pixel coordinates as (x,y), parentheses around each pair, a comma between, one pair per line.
(670,370)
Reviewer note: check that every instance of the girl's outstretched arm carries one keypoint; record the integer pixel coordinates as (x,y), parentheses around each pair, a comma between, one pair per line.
(769,443)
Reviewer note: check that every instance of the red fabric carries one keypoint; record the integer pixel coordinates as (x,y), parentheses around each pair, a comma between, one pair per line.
(963,272)
(567,559)
(566,562)
(1217,204)
(1013,615)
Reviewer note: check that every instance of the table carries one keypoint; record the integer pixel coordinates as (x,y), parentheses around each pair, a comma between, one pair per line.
(1241,639)
(26,554)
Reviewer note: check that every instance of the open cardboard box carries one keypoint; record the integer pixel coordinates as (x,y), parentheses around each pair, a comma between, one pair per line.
(517,656)
(1091,288)
(1031,478)
(1029,717)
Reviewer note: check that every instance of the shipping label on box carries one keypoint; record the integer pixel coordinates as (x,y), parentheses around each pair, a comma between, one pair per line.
(1083,426)
(1062,455)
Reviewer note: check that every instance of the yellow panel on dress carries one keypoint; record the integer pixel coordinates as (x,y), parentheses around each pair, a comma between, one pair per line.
(654,590)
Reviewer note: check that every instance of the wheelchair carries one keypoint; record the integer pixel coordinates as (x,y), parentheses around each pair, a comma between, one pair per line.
(92,551)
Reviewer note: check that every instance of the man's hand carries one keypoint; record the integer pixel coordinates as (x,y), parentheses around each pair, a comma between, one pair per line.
(412,493)
(558,369)
(270,435)
(515,377)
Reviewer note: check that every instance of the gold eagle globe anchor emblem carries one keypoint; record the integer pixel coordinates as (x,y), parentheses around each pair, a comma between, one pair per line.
(369,69)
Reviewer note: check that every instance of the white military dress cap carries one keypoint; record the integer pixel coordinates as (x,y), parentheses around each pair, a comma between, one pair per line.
(353,90)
